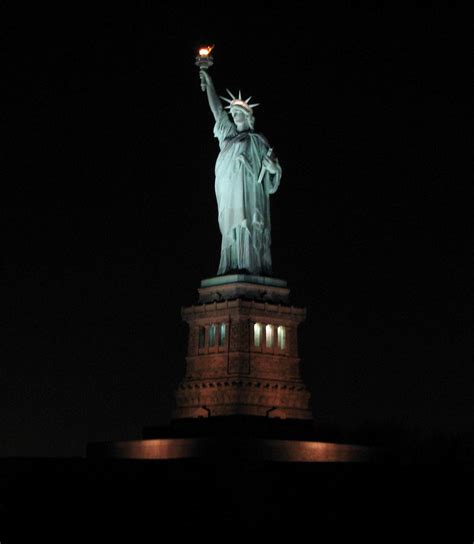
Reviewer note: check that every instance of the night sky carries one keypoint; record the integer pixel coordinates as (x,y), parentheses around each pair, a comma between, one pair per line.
(110,218)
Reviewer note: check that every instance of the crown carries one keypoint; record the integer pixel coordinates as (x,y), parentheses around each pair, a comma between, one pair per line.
(239,103)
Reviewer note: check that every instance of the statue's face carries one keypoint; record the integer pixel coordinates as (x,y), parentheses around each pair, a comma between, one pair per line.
(240,118)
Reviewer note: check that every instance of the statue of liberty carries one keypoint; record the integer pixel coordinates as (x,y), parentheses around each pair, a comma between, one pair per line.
(247,173)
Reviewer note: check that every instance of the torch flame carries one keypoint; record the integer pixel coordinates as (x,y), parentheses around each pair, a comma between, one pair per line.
(205,51)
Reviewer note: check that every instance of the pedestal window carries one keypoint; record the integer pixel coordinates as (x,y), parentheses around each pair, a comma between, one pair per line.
(257,334)
(202,337)
(281,337)
(212,335)
(269,334)
(222,334)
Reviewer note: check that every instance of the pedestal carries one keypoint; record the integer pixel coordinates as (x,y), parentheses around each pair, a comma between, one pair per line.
(241,396)
(242,354)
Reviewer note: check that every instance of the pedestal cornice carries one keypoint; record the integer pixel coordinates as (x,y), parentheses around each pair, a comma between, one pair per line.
(245,308)
(245,286)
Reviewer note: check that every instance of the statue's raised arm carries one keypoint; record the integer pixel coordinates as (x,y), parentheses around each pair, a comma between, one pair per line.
(214,101)
(247,173)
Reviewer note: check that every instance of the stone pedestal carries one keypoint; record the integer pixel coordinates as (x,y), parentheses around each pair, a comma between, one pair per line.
(241,396)
(242,354)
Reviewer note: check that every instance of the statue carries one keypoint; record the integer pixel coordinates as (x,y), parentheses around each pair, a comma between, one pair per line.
(247,173)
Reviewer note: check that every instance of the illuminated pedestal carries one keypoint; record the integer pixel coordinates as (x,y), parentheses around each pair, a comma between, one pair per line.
(242,396)
(242,352)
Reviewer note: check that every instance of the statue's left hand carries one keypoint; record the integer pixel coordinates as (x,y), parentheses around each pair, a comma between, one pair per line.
(270,164)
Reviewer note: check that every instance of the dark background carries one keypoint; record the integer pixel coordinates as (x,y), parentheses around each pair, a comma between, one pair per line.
(110,218)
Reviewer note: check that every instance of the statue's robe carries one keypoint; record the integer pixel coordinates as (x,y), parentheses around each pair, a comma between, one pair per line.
(243,203)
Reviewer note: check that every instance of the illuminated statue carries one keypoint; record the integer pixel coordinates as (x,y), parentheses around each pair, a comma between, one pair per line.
(247,173)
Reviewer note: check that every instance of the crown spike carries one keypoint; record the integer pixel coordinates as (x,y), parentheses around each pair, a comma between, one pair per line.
(247,99)
(231,95)
(226,99)
(240,95)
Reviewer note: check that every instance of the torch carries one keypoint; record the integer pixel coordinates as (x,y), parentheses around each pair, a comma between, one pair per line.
(204,60)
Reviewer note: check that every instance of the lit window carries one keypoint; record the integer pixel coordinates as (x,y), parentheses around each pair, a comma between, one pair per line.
(212,335)
(257,334)
(269,335)
(222,335)
(281,337)
(202,337)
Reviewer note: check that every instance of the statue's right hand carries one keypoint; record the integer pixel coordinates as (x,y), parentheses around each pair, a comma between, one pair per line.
(205,79)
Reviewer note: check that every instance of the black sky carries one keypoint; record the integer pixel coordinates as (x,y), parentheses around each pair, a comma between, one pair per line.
(110,216)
